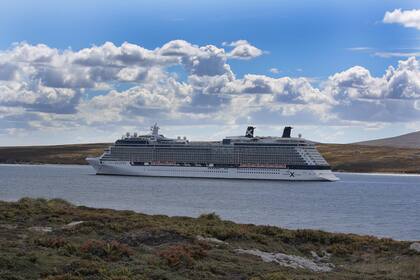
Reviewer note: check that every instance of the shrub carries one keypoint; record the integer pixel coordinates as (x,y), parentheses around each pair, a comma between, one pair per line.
(210,216)
(52,242)
(112,251)
(59,203)
(183,255)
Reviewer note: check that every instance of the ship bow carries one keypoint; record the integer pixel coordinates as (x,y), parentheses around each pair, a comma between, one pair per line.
(94,162)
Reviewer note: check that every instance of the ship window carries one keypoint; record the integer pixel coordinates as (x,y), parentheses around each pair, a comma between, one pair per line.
(226,141)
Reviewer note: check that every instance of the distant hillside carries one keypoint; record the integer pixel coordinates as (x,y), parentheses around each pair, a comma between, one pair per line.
(342,157)
(364,158)
(410,140)
(60,154)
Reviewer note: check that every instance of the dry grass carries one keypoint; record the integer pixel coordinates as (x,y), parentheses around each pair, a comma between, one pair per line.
(359,158)
(61,154)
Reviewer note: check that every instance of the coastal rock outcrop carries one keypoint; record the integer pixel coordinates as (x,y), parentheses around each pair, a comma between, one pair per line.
(290,260)
(41,229)
(72,224)
(210,239)
(415,247)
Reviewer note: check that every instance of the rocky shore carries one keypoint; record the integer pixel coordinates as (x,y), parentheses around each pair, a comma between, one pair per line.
(53,239)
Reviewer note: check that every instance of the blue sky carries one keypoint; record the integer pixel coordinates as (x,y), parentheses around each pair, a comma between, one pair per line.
(313,40)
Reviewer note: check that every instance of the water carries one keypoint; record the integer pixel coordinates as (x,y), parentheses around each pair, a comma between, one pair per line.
(381,205)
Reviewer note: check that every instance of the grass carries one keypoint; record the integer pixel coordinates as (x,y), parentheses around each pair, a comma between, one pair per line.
(112,244)
(60,154)
(360,158)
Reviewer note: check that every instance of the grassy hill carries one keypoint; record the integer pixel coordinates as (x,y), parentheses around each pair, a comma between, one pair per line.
(361,158)
(342,157)
(60,154)
(410,140)
(55,240)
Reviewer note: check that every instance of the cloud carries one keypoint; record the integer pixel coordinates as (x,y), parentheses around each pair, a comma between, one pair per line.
(36,97)
(396,54)
(45,79)
(359,49)
(274,70)
(159,99)
(407,18)
(242,49)
(202,61)
(390,98)
(288,90)
(402,82)
(109,87)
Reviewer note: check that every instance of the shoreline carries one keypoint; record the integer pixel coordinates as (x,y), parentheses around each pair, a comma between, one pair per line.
(335,171)
(232,220)
(341,157)
(55,239)
(237,222)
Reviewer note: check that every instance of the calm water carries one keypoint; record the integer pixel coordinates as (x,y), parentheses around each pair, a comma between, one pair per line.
(382,205)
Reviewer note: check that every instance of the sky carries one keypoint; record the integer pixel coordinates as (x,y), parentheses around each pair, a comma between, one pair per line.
(89,71)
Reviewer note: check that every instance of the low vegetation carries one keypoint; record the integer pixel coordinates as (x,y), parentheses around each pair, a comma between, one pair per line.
(360,158)
(53,239)
(60,154)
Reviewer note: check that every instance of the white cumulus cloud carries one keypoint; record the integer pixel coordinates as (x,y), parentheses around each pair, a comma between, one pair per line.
(242,49)
(109,87)
(407,18)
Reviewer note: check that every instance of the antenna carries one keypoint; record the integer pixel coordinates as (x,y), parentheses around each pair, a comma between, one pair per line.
(155,129)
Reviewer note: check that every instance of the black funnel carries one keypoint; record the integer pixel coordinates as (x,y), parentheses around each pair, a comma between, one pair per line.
(287,131)
(249,132)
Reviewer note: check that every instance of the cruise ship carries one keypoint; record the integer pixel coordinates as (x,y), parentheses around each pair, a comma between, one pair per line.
(236,157)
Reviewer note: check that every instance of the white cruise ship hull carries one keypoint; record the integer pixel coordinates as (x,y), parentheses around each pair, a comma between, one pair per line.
(125,168)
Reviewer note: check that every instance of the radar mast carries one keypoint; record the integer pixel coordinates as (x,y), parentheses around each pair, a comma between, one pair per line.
(155,130)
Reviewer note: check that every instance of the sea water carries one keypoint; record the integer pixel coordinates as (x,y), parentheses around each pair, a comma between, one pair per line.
(373,204)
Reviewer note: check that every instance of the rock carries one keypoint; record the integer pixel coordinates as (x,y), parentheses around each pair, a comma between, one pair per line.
(415,247)
(325,256)
(8,226)
(41,229)
(72,224)
(210,239)
(289,260)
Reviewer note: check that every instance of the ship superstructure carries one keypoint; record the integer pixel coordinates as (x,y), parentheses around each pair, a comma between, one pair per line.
(238,157)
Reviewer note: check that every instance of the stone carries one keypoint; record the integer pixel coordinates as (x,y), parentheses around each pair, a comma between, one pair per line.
(415,247)
(41,229)
(210,239)
(8,226)
(289,260)
(72,224)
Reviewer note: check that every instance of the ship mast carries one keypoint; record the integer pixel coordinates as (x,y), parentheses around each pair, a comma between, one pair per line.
(155,130)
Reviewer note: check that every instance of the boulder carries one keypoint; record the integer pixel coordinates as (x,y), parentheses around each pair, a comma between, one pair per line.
(289,260)
(415,247)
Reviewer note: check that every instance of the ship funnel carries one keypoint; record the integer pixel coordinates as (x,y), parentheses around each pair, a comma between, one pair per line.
(287,131)
(250,132)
